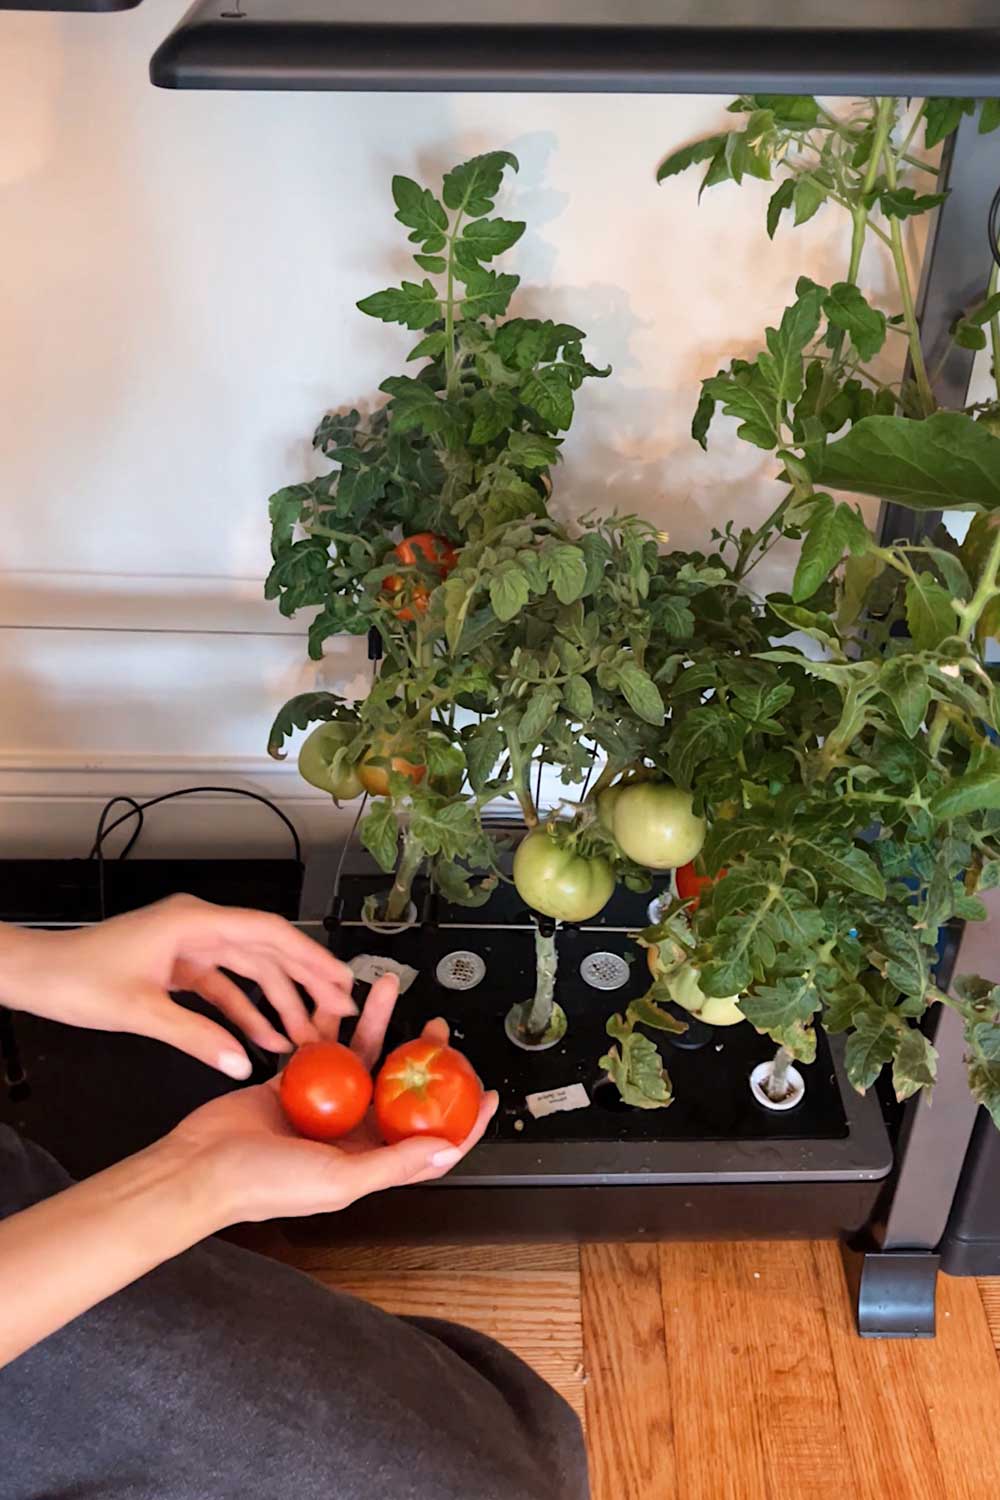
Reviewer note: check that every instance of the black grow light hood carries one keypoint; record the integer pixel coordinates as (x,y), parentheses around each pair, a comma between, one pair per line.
(581,46)
(69,5)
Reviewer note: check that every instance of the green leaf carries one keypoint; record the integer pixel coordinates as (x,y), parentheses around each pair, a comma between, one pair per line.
(379,832)
(744,393)
(701,735)
(860,572)
(419,210)
(483,750)
(782,364)
(646,1012)
(847,309)
(488,294)
(809,194)
(508,591)
(907,958)
(429,347)
(845,864)
(566,566)
(532,450)
(702,419)
(930,618)
(984,1085)
(473,186)
(412,304)
(974,792)
(915,1064)
(870,1046)
(784,1011)
(641,693)
(298,713)
(435,264)
(789,109)
(779,201)
(549,392)
(489,237)
(903,202)
(494,412)
(758,702)
(416,406)
(578,697)
(905,684)
(638,1072)
(687,156)
(946,461)
(942,116)
(833,528)
(538,715)
(989,116)
(284,509)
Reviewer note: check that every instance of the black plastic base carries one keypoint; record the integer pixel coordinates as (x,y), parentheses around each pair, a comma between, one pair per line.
(893,1291)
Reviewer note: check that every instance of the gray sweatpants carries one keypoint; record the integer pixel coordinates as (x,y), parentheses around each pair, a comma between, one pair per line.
(224,1376)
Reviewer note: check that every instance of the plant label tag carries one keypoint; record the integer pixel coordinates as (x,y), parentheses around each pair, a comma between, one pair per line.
(552,1101)
(370,966)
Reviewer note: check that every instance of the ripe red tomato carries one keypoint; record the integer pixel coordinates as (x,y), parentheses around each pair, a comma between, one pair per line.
(424,547)
(426,1089)
(325,1090)
(690,884)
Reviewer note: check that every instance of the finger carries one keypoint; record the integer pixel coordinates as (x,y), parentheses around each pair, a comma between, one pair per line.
(369,1034)
(286,943)
(437,1031)
(160,1017)
(285,998)
(385,1167)
(227,997)
(487,1109)
(251,960)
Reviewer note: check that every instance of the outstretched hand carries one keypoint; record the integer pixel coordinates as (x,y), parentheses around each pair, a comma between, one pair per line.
(262,1169)
(118,976)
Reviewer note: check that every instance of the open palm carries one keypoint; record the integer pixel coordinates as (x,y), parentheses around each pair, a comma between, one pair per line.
(271,1171)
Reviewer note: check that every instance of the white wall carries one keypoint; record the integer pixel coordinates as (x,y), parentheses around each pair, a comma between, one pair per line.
(178,273)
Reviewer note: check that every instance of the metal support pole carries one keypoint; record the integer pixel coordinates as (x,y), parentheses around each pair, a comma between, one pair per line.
(894,1265)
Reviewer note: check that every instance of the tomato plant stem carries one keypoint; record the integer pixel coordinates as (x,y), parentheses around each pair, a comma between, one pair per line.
(995,328)
(537,1012)
(409,863)
(776,1082)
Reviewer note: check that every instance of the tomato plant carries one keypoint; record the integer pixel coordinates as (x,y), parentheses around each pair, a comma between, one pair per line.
(430,553)
(425,1088)
(553,879)
(325,1090)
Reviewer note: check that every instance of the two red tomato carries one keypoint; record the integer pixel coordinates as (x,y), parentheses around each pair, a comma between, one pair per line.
(423,1088)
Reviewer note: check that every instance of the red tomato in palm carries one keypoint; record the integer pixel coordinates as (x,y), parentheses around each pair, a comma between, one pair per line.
(325,1090)
(426,1089)
(690,884)
(424,547)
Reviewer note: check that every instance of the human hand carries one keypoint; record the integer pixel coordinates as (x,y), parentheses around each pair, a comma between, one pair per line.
(118,976)
(257,1167)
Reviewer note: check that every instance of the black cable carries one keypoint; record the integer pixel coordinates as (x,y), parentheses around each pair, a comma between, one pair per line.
(993,227)
(138,809)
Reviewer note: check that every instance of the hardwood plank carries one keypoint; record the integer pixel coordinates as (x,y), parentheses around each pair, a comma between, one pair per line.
(989,1291)
(920,1414)
(755,1402)
(328,1255)
(629,1419)
(534,1313)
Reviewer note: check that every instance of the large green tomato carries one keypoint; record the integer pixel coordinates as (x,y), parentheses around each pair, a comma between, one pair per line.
(559,883)
(687,992)
(654,824)
(316,761)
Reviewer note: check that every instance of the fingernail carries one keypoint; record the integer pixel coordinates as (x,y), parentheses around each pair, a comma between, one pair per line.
(235,1064)
(446,1158)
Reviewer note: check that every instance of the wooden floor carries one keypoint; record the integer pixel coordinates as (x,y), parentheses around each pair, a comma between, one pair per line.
(722,1371)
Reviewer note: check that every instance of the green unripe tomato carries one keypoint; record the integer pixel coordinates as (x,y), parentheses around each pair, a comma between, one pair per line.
(316,761)
(654,824)
(559,883)
(713,1010)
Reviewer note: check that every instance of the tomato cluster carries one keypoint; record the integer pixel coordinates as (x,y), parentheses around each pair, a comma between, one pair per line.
(411,598)
(423,1088)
